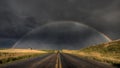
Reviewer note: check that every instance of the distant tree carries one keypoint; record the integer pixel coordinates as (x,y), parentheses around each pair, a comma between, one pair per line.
(30,48)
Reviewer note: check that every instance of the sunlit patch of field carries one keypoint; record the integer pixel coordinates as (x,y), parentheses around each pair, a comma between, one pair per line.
(101,57)
(8,55)
(112,59)
(22,51)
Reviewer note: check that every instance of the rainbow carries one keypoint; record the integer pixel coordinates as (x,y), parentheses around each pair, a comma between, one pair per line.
(77,23)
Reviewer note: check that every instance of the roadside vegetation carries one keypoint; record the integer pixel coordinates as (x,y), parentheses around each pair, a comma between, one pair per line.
(50,51)
(106,52)
(10,55)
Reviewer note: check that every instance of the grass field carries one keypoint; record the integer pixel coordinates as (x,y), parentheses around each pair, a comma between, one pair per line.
(9,55)
(106,52)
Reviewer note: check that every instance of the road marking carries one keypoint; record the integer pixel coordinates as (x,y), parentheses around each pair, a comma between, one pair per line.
(58,61)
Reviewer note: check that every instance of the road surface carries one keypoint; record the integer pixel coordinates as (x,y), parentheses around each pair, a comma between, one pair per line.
(70,61)
(58,60)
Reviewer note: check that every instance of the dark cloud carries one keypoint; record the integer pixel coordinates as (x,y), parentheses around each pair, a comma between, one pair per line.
(17,17)
(96,13)
(7,42)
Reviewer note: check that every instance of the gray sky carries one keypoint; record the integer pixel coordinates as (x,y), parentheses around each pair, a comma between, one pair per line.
(17,17)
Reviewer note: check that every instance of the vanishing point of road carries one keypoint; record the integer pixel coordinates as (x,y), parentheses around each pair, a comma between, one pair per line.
(59,60)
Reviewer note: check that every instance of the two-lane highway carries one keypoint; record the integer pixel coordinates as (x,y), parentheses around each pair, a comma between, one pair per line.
(59,60)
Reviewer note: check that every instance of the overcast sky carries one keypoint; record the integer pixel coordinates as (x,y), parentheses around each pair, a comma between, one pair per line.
(17,17)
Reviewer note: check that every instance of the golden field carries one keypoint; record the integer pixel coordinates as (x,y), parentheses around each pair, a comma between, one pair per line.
(8,55)
(106,52)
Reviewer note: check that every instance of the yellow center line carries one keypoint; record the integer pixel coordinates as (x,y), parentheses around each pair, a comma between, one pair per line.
(58,62)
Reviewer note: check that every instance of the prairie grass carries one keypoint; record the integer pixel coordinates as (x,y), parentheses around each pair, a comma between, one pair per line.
(9,55)
(106,52)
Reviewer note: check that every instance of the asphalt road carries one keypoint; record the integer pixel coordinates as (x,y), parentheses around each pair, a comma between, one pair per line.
(56,61)
(70,61)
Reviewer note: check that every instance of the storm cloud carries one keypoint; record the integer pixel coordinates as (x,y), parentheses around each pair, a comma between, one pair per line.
(17,17)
